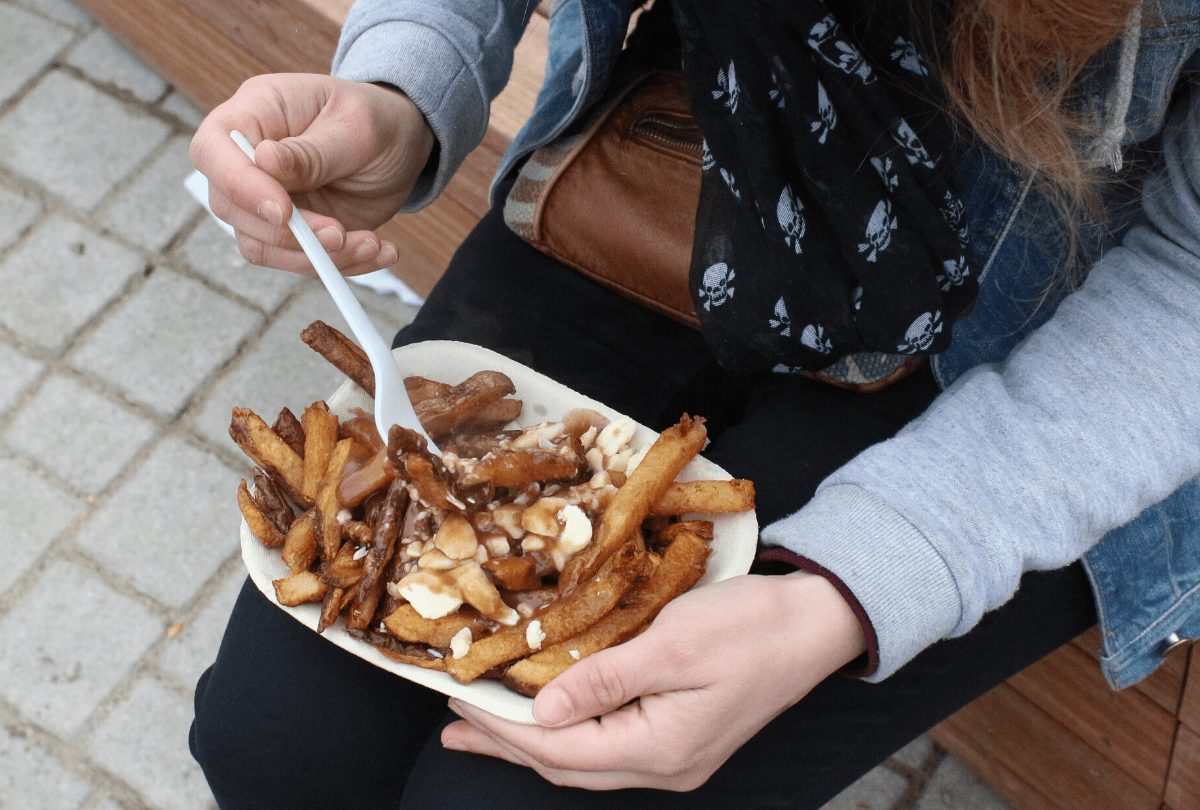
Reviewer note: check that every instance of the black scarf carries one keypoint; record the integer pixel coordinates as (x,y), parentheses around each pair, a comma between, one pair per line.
(826,227)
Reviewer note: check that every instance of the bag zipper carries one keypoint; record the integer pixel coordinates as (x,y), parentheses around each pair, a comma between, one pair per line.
(680,134)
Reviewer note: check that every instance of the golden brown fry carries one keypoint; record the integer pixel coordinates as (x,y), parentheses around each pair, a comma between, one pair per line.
(268,497)
(341,352)
(670,453)
(706,497)
(431,490)
(680,567)
(330,608)
(357,532)
(289,429)
(299,588)
(667,534)
(327,501)
(343,571)
(444,413)
(363,606)
(300,546)
(406,624)
(514,573)
(384,537)
(405,653)
(267,450)
(560,620)
(320,436)
(260,525)
(361,428)
(519,468)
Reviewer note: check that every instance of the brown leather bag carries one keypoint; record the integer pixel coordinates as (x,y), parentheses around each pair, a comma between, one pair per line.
(617,201)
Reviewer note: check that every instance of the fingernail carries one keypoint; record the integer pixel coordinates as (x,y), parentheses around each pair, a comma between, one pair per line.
(453,745)
(388,255)
(332,238)
(366,250)
(553,708)
(271,212)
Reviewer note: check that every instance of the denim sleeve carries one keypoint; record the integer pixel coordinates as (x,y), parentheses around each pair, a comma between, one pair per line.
(450,57)
(1025,464)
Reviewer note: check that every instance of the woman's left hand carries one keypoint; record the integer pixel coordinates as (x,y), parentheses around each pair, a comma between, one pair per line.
(715,667)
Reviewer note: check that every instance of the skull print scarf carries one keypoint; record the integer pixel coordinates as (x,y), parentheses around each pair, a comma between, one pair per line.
(827,236)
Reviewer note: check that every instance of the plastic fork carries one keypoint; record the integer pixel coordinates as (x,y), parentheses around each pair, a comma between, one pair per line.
(392,405)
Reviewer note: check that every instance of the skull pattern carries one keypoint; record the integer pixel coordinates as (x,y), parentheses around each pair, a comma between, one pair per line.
(879,231)
(907,57)
(727,176)
(790,213)
(781,322)
(914,150)
(727,89)
(920,334)
(707,161)
(716,286)
(824,38)
(954,272)
(885,170)
(827,115)
(814,338)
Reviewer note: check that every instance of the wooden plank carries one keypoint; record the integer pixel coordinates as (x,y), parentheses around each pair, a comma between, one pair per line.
(1183,786)
(1009,730)
(1189,709)
(1127,728)
(1164,687)
(959,737)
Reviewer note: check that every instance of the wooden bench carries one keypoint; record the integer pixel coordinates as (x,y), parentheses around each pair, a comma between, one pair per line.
(1053,736)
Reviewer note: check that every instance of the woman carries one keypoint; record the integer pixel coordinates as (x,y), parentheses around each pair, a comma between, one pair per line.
(1063,430)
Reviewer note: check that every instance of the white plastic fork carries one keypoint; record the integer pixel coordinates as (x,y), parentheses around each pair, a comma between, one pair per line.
(392,405)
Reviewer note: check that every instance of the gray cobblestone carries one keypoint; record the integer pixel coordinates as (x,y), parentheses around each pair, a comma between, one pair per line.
(79,163)
(178,105)
(212,253)
(32,779)
(16,213)
(158,346)
(16,372)
(168,528)
(953,787)
(916,753)
(37,510)
(144,741)
(62,10)
(104,59)
(278,371)
(152,209)
(187,655)
(102,435)
(66,645)
(878,789)
(28,43)
(58,278)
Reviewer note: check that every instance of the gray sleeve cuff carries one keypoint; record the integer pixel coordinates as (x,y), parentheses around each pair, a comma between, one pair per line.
(428,68)
(903,584)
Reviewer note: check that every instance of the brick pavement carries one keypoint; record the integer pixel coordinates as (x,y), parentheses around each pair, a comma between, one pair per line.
(128,317)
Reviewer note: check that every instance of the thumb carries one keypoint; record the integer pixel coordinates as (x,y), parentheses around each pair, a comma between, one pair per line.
(306,162)
(601,683)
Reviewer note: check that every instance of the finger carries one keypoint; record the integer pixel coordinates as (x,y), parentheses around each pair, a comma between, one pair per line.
(219,159)
(347,260)
(329,231)
(313,159)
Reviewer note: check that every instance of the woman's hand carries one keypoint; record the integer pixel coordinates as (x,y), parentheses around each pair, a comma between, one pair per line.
(348,153)
(715,667)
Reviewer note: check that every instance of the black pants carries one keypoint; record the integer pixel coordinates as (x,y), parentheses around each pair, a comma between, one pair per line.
(286,720)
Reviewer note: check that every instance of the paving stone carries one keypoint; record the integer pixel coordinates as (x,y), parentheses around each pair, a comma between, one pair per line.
(387,312)
(107,60)
(104,804)
(16,212)
(16,372)
(102,438)
(212,253)
(66,645)
(279,370)
(28,42)
(169,526)
(187,655)
(159,345)
(144,741)
(154,206)
(916,753)
(62,10)
(178,105)
(878,789)
(37,510)
(79,163)
(953,787)
(58,278)
(32,779)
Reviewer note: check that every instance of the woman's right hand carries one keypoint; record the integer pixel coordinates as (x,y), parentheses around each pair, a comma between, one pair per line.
(347,152)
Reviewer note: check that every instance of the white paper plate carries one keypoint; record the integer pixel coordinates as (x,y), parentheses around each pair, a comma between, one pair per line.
(734,540)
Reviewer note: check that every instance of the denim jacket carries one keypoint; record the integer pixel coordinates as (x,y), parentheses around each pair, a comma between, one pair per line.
(453,58)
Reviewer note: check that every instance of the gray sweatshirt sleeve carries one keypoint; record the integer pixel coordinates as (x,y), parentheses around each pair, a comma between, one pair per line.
(451,58)
(1025,464)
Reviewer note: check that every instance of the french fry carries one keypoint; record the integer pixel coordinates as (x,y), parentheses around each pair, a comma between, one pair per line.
(299,588)
(327,502)
(397,650)
(331,607)
(289,429)
(260,525)
(320,436)
(441,415)
(266,494)
(300,545)
(514,573)
(405,624)
(668,533)
(357,531)
(368,479)
(680,567)
(519,468)
(386,534)
(705,497)
(343,571)
(670,453)
(341,352)
(560,620)
(267,450)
